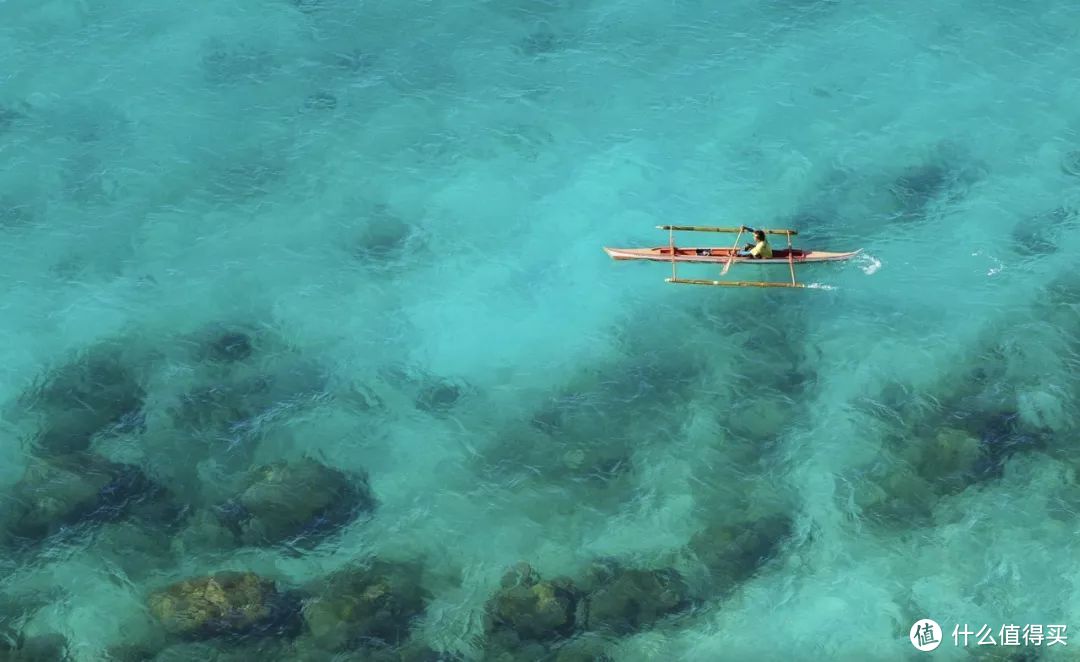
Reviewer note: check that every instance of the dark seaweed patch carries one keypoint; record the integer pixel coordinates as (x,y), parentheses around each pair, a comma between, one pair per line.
(247,177)
(540,42)
(942,178)
(626,600)
(37,648)
(56,495)
(93,394)
(299,502)
(1040,234)
(83,179)
(918,187)
(355,60)
(230,347)
(370,605)
(385,236)
(224,64)
(438,396)
(15,214)
(223,408)
(734,553)
(1070,163)
(8,117)
(320,101)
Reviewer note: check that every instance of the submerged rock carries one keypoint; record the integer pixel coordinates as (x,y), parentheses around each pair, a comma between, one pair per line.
(763,418)
(372,604)
(63,491)
(1041,234)
(320,101)
(82,399)
(138,549)
(8,117)
(238,405)
(601,464)
(225,64)
(1070,163)
(916,186)
(39,648)
(203,531)
(950,460)
(386,236)
(246,175)
(227,603)
(222,407)
(131,653)
(301,499)
(541,42)
(627,600)
(733,554)
(898,494)
(584,648)
(228,347)
(15,214)
(532,608)
(183,651)
(409,652)
(938,180)
(354,61)
(439,396)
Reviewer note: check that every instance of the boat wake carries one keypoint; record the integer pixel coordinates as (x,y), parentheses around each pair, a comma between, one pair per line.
(998,267)
(869,264)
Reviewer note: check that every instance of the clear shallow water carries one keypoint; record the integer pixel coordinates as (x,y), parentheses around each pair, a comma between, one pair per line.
(388,197)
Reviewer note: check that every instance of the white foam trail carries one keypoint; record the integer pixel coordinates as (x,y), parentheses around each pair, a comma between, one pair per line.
(998,267)
(819,286)
(870,264)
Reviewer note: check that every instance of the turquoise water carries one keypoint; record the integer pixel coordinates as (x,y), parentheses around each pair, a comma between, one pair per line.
(403,208)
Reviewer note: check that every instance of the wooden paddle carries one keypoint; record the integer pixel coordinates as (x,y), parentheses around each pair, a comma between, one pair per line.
(734,250)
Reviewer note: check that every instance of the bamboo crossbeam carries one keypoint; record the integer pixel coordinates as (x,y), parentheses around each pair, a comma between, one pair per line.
(671,247)
(731,283)
(708,228)
(791,259)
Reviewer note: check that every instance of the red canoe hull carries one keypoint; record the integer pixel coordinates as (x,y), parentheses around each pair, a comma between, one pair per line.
(722,255)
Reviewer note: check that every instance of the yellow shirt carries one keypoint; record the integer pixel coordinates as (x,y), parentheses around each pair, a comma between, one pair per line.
(762,250)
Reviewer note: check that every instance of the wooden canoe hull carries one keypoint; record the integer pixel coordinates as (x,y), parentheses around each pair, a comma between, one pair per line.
(720,255)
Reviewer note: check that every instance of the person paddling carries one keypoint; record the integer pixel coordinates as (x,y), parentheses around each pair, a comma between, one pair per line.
(760,249)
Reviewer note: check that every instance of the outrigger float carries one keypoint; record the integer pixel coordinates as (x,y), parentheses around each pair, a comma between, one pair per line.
(726,256)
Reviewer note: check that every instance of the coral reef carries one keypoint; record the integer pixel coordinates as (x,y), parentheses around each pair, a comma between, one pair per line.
(226,604)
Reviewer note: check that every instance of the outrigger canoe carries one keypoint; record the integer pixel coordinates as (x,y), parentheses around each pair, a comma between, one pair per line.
(723,255)
(726,256)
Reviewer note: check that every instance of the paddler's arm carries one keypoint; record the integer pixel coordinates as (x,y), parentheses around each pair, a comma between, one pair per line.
(747,228)
(751,245)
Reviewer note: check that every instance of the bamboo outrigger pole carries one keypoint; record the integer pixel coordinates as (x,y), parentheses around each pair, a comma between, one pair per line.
(709,228)
(731,283)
